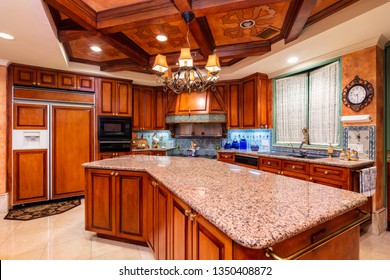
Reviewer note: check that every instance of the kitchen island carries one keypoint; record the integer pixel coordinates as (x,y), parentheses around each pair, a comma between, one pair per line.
(240,212)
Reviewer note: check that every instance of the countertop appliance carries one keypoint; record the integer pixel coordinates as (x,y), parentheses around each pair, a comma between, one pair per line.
(114,128)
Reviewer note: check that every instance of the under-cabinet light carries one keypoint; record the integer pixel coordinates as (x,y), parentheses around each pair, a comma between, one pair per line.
(356,118)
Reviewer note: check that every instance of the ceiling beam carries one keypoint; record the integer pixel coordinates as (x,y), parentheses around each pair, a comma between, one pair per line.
(122,65)
(300,17)
(122,43)
(77,10)
(203,8)
(70,35)
(243,50)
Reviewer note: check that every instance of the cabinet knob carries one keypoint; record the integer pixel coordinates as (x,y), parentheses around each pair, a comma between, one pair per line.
(269,163)
(39,84)
(293,167)
(187,212)
(192,216)
(310,178)
(281,173)
(116,173)
(112,173)
(34,83)
(278,172)
(326,172)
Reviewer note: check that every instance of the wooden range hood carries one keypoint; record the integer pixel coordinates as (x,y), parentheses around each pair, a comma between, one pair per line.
(206,107)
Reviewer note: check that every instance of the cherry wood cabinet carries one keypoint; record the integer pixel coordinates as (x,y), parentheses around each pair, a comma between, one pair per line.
(34,77)
(72,145)
(30,176)
(161,103)
(247,102)
(226,157)
(105,155)
(158,199)
(76,82)
(47,78)
(114,98)
(115,204)
(143,108)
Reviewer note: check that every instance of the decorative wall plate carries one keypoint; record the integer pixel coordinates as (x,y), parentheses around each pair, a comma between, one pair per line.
(357,94)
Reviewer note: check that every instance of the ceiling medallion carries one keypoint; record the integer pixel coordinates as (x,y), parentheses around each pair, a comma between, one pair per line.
(188,77)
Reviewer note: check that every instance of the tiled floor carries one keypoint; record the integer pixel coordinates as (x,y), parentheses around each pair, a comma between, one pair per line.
(62,237)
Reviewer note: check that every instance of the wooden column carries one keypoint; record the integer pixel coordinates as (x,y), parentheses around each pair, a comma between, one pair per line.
(3,135)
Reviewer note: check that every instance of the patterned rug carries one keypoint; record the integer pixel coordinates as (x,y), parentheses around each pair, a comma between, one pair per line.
(39,211)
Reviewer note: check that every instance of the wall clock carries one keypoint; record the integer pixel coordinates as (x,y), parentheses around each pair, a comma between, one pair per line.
(357,94)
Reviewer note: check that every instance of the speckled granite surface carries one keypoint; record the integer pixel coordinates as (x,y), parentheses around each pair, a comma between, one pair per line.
(154,150)
(256,209)
(326,161)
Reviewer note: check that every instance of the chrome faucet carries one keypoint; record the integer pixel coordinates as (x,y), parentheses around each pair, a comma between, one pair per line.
(300,148)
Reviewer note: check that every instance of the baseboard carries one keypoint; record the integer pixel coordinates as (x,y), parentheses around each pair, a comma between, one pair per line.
(3,202)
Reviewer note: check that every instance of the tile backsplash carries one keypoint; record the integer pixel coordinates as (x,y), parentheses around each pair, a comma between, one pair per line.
(361,139)
(166,140)
(261,137)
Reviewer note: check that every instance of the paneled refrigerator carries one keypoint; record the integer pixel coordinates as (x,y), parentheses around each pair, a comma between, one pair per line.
(50,141)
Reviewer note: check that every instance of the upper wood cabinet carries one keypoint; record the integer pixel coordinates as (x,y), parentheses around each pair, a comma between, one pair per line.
(247,102)
(114,98)
(76,82)
(143,108)
(40,77)
(35,77)
(160,108)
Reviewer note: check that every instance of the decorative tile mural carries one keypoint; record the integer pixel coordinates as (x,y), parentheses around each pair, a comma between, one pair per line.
(207,145)
(361,139)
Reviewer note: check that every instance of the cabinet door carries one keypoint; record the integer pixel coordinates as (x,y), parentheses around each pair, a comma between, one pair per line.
(218,99)
(136,108)
(161,107)
(248,106)
(234,119)
(151,236)
(147,109)
(130,193)
(72,141)
(30,176)
(47,79)
(106,97)
(86,83)
(181,230)
(226,157)
(162,222)
(25,76)
(30,116)
(123,99)
(67,81)
(209,243)
(100,201)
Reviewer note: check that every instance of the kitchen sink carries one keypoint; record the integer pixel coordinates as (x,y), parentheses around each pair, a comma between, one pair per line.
(307,156)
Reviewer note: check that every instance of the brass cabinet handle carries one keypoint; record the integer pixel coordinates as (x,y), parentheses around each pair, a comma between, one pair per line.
(310,178)
(112,173)
(34,83)
(293,167)
(192,216)
(187,212)
(116,173)
(278,172)
(269,163)
(39,84)
(281,173)
(326,172)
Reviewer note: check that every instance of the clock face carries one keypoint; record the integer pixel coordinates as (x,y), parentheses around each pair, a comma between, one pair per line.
(357,94)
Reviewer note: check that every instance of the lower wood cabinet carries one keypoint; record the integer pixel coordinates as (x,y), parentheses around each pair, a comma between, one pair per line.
(158,219)
(115,204)
(106,155)
(30,173)
(226,157)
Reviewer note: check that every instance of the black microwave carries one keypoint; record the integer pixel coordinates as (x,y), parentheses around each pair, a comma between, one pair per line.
(114,128)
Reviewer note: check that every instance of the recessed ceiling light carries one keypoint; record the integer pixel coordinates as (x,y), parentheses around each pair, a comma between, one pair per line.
(247,23)
(96,49)
(6,36)
(292,59)
(161,38)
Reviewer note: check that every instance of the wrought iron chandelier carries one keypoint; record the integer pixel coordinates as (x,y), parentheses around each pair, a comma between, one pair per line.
(188,78)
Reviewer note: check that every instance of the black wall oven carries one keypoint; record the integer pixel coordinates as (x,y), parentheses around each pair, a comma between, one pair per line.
(114,128)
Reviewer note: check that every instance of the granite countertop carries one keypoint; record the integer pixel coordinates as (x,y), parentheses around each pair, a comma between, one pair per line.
(254,208)
(153,149)
(335,161)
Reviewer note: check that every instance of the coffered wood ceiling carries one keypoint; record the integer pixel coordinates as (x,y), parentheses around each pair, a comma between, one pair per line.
(126,30)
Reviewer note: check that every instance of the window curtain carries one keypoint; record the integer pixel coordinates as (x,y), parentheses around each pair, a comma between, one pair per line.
(324,104)
(290,104)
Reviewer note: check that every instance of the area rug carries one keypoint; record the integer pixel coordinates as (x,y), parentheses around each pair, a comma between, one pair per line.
(39,211)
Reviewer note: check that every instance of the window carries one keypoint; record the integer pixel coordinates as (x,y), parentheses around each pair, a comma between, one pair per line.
(309,100)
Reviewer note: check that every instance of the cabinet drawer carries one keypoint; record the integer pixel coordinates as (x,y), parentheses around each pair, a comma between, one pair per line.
(295,166)
(227,157)
(270,163)
(329,172)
